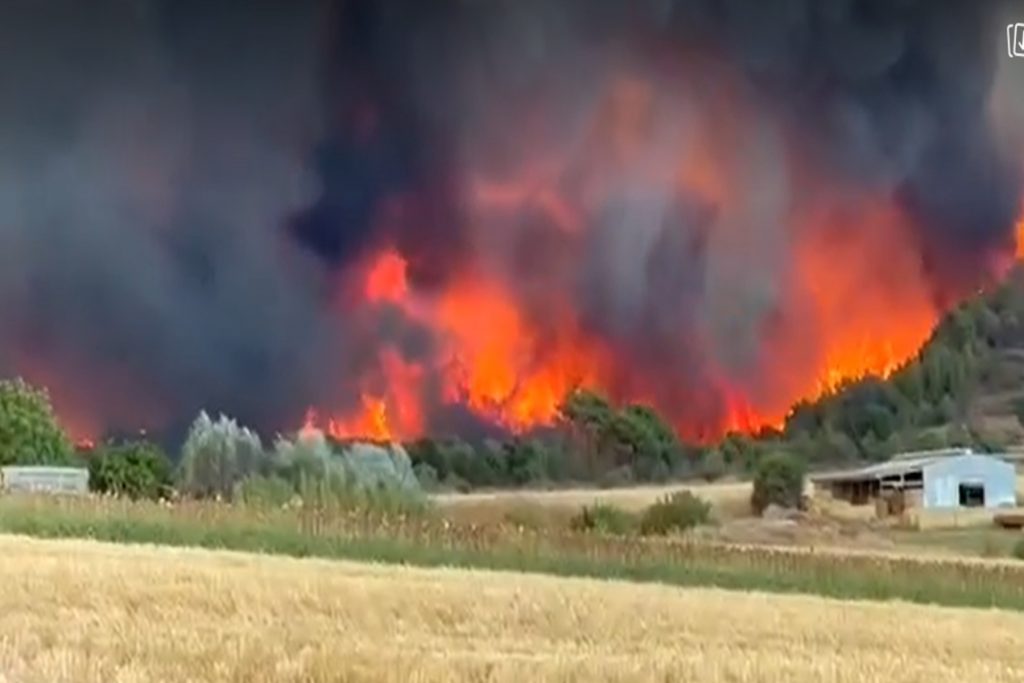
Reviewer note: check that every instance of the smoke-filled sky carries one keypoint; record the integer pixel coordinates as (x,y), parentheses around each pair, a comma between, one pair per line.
(690,203)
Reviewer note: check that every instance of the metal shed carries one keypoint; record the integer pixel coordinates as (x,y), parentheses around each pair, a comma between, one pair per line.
(37,479)
(933,480)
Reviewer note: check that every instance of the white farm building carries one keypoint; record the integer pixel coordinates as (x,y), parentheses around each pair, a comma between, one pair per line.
(944,479)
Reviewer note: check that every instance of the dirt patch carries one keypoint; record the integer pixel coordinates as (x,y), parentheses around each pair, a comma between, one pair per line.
(840,526)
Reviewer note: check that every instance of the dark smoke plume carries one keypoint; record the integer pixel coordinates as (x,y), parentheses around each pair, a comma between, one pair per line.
(180,180)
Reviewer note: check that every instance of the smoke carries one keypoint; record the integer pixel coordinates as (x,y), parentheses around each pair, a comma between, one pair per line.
(183,184)
(150,154)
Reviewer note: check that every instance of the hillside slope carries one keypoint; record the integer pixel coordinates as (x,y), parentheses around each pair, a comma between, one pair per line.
(964,388)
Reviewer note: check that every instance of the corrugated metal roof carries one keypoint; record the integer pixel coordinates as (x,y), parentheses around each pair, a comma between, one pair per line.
(933,453)
(879,471)
(902,463)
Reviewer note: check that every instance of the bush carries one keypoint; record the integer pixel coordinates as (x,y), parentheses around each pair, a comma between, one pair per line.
(259,490)
(135,469)
(1018,410)
(652,470)
(604,519)
(217,456)
(456,483)
(778,480)
(677,512)
(529,461)
(309,456)
(617,478)
(712,465)
(455,460)
(427,476)
(323,472)
(29,431)
(370,466)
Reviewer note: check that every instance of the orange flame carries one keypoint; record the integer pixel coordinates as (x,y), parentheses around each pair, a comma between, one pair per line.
(869,300)
(389,413)
(1019,233)
(492,359)
(386,280)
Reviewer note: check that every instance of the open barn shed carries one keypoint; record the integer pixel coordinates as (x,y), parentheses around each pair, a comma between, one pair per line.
(931,480)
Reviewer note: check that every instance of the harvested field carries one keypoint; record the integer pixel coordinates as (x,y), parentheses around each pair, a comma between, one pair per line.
(91,612)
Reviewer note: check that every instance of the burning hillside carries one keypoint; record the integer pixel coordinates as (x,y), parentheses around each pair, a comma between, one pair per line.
(453,215)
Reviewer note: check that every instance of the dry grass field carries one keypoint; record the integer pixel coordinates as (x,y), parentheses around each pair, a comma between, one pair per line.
(629,498)
(728,501)
(90,613)
(959,532)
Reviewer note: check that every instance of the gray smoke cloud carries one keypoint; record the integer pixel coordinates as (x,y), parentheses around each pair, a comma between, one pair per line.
(151,152)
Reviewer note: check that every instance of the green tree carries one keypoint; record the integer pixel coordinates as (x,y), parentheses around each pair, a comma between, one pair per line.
(872,447)
(712,464)
(424,451)
(427,476)
(657,451)
(217,456)
(778,480)
(29,431)
(837,446)
(929,439)
(1018,410)
(527,461)
(135,469)
(589,416)
(740,451)
(635,437)
(587,408)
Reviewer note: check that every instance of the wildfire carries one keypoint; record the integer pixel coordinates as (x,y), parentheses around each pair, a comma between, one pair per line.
(386,280)
(870,313)
(853,299)
(492,361)
(389,407)
(371,422)
(497,364)
(1020,240)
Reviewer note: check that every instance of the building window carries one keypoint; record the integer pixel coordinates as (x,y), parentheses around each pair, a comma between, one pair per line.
(972,495)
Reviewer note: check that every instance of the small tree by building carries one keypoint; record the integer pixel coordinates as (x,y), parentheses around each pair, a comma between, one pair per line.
(29,431)
(778,480)
(135,469)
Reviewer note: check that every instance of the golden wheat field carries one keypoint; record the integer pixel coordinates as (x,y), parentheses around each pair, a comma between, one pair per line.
(90,612)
